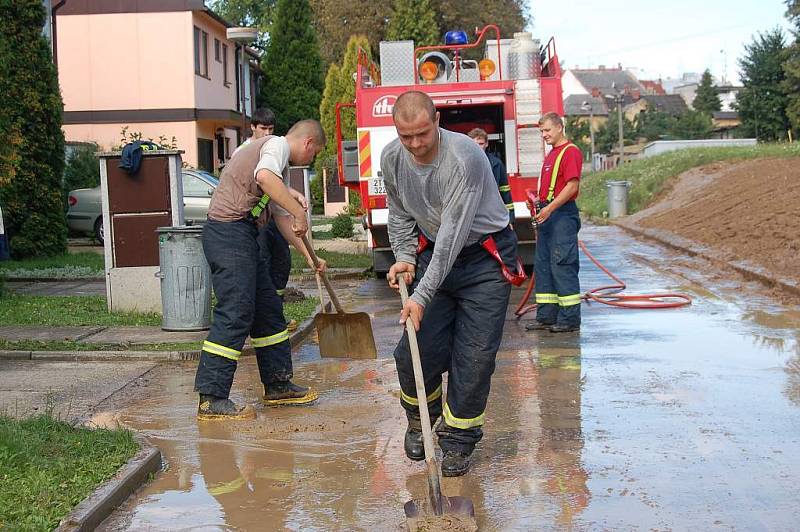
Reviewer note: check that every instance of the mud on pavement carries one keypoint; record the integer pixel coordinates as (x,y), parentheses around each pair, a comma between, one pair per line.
(679,419)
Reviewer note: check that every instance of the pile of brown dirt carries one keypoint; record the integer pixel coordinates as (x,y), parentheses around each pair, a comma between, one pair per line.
(749,211)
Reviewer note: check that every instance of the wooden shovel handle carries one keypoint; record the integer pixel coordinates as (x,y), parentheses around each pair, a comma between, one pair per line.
(435,492)
(315,260)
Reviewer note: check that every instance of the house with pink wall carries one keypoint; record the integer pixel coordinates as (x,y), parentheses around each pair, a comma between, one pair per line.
(158,67)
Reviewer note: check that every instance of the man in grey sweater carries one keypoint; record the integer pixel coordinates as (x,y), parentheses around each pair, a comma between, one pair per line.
(449,232)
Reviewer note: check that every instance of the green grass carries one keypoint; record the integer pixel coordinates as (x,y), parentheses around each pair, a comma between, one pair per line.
(650,176)
(335,260)
(67,311)
(47,467)
(67,266)
(299,311)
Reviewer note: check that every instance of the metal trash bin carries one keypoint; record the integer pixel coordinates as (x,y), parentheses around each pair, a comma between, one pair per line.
(185,279)
(617,198)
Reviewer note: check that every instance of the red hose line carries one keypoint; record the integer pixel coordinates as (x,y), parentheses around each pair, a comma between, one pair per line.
(611,294)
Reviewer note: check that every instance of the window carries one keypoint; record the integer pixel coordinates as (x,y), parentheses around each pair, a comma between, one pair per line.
(200,52)
(205,154)
(216,50)
(197,50)
(194,187)
(225,65)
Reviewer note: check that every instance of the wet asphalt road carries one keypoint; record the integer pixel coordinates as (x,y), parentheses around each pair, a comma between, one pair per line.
(685,419)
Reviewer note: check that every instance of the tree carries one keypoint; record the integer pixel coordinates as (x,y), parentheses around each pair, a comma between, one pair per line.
(577,129)
(654,125)
(509,15)
(606,138)
(251,13)
(82,169)
(293,87)
(340,88)
(791,67)
(762,101)
(706,99)
(691,125)
(31,128)
(337,20)
(414,20)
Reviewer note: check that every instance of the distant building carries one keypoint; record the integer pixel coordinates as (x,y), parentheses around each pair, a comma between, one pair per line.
(161,68)
(652,88)
(599,81)
(671,104)
(686,78)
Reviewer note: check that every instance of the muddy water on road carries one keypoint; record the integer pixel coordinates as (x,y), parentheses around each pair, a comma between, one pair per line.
(677,419)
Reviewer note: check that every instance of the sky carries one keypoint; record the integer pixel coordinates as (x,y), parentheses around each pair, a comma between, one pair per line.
(656,39)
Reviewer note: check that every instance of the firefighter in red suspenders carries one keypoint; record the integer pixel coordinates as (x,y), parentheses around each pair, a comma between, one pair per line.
(558,297)
(449,233)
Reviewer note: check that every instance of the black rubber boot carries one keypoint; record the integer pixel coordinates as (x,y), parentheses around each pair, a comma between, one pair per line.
(564,328)
(288,393)
(217,408)
(415,450)
(455,464)
(538,326)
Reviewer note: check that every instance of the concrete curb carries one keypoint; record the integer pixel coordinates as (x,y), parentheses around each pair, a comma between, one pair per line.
(300,334)
(694,249)
(105,499)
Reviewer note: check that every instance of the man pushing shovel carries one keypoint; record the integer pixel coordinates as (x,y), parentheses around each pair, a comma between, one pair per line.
(449,233)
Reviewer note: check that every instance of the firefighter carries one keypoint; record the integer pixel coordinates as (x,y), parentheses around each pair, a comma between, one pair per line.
(275,236)
(481,138)
(449,233)
(558,297)
(247,303)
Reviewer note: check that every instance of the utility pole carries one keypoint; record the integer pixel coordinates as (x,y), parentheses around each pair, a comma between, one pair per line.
(621,137)
(584,106)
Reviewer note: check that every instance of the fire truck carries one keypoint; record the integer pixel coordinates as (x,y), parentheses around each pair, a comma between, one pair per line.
(505,93)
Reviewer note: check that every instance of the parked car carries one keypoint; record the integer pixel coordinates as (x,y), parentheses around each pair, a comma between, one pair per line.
(85,213)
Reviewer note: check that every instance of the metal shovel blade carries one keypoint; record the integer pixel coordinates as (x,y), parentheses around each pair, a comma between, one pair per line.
(458,513)
(345,335)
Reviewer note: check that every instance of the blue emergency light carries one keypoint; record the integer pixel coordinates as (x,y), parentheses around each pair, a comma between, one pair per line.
(455,37)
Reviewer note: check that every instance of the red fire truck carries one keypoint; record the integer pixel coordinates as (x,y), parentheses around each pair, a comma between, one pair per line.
(504,93)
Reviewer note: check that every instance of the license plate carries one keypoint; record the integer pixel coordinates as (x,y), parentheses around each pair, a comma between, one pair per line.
(377,187)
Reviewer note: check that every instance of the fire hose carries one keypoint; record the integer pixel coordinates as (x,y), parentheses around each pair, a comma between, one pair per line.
(608,295)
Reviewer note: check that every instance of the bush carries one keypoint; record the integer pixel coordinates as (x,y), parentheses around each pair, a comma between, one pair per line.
(82,169)
(342,226)
(34,157)
(317,194)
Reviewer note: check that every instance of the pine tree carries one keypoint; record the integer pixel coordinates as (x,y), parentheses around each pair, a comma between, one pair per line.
(791,67)
(32,158)
(414,20)
(340,88)
(706,99)
(762,101)
(293,85)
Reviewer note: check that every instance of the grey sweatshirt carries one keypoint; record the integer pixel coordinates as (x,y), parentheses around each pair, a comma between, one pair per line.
(453,201)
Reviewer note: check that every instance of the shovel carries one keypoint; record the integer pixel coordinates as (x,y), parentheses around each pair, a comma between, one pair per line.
(342,334)
(437,512)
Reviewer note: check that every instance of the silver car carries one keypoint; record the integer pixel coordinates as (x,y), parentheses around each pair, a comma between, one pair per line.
(85,213)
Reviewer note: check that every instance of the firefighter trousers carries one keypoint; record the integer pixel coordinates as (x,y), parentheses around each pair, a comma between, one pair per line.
(276,252)
(247,304)
(460,333)
(556,266)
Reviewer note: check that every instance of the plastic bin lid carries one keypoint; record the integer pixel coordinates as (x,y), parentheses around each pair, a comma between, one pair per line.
(181,229)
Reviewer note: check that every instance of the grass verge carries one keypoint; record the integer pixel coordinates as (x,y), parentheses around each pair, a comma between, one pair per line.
(299,311)
(47,467)
(67,266)
(649,177)
(335,260)
(67,311)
